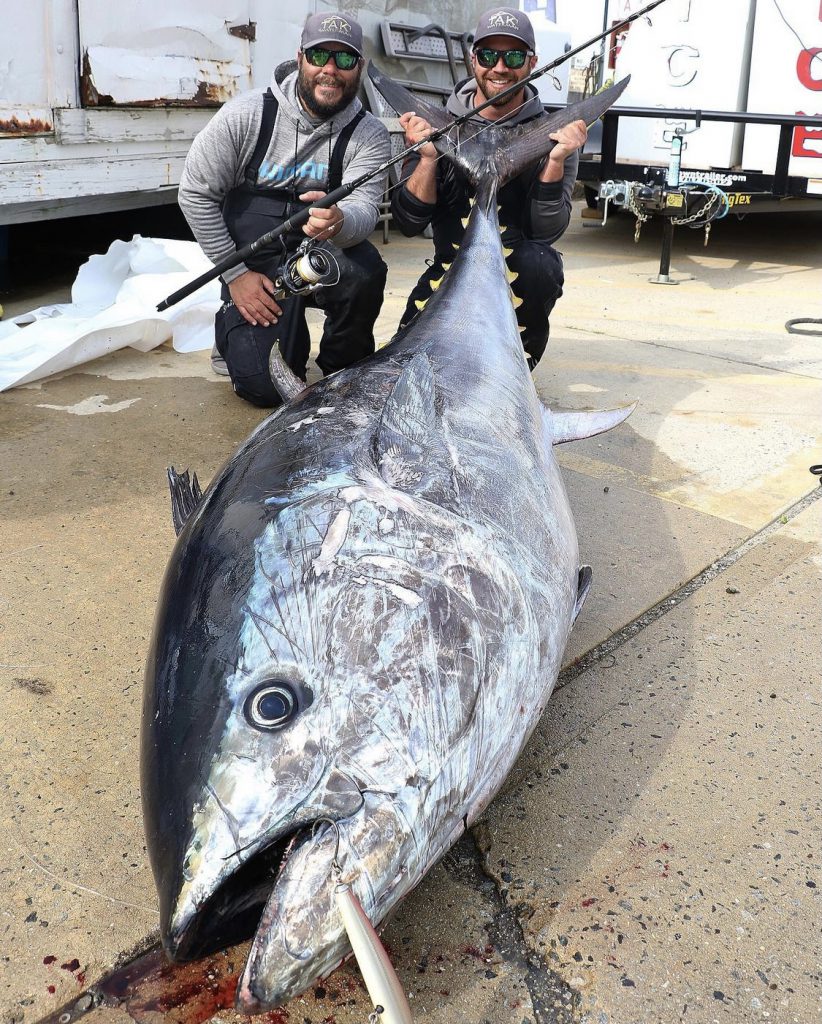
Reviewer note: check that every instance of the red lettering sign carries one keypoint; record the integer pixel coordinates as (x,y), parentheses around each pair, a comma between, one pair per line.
(615,44)
(804,138)
(805,67)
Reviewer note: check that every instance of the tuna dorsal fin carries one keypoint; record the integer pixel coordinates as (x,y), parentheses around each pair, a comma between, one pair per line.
(185,496)
(287,383)
(409,446)
(398,97)
(573,426)
(584,577)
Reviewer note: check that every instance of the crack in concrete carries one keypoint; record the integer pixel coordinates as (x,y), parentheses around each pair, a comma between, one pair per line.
(553,1000)
(726,359)
(675,598)
(614,336)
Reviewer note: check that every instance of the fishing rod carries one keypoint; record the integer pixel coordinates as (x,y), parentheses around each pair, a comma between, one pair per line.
(331,198)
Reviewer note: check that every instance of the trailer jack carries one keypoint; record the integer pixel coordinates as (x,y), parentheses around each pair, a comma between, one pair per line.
(688,203)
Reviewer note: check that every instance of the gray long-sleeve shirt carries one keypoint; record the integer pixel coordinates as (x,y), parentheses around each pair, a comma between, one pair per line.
(297,159)
(529,207)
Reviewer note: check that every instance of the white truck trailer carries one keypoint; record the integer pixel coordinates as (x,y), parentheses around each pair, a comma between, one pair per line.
(719,91)
(99,101)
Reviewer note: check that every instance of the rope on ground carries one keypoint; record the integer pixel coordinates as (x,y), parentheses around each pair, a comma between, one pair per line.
(790,326)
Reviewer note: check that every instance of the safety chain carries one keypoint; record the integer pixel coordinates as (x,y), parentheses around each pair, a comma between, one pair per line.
(700,213)
(635,210)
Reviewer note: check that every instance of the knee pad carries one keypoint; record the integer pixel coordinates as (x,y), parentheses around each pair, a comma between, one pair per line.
(539,270)
(364,263)
(246,349)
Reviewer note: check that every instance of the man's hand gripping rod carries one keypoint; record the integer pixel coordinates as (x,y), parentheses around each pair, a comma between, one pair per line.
(334,197)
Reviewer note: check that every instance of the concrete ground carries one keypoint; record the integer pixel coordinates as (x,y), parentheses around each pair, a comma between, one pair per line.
(655,855)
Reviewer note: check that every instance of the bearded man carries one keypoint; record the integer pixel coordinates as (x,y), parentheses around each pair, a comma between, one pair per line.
(535,207)
(263,157)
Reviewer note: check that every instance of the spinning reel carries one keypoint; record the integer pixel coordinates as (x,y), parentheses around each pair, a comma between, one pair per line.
(303,272)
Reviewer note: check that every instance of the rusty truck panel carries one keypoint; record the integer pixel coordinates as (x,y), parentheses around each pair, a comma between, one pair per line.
(192,53)
(22,122)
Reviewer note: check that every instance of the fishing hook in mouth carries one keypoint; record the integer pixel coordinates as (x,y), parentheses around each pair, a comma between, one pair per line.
(336,868)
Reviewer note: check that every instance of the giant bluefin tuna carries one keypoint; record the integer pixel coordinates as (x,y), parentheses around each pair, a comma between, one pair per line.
(362,619)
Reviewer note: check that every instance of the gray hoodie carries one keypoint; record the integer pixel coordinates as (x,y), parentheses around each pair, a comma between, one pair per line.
(297,159)
(547,208)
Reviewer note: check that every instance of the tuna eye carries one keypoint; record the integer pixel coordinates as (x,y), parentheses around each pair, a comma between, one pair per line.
(271,706)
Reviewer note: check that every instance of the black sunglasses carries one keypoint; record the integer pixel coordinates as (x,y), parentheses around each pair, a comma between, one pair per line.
(513,59)
(344,59)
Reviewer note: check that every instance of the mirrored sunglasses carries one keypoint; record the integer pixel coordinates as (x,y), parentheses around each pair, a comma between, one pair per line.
(513,59)
(344,59)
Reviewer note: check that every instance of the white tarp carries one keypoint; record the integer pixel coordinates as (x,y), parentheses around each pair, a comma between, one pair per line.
(113,305)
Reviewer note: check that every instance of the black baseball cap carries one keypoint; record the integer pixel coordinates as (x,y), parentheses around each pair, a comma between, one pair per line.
(332,27)
(505,21)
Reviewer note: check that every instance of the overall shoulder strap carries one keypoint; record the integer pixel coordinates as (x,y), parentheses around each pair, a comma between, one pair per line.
(270,108)
(335,166)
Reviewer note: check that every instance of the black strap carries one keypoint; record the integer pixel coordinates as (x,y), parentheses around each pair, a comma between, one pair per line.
(335,166)
(270,108)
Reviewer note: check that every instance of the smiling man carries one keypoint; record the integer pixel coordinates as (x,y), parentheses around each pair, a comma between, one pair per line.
(265,155)
(534,208)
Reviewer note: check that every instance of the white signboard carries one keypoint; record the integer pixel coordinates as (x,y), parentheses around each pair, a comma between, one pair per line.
(786,78)
(690,54)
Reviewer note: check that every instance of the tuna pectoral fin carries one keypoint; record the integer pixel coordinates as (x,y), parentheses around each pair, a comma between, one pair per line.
(573,426)
(403,101)
(287,383)
(410,449)
(586,574)
(185,496)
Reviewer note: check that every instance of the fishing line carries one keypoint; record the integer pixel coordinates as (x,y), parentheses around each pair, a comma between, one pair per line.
(816,56)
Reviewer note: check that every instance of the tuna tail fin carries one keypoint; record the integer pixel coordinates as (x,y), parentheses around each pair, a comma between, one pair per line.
(513,149)
(504,151)
(398,97)
(185,497)
(528,142)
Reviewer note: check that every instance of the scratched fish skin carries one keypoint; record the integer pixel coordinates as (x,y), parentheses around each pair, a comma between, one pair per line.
(363,619)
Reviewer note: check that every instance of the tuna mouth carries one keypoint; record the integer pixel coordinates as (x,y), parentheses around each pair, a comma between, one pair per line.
(231,914)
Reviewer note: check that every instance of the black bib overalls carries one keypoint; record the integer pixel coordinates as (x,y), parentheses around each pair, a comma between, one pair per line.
(351,306)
